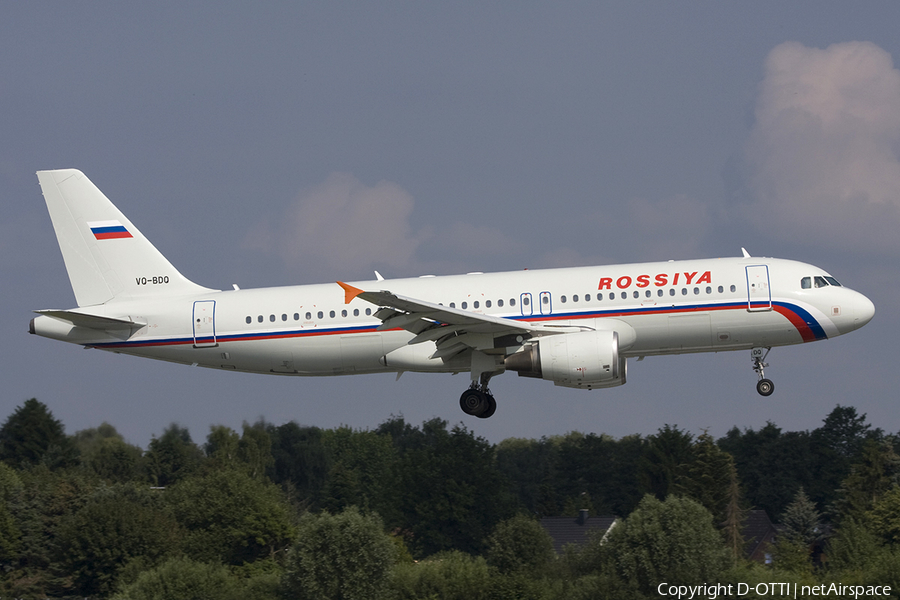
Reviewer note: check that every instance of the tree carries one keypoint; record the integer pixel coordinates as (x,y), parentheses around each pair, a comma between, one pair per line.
(172,456)
(230,517)
(519,544)
(118,524)
(836,445)
(876,471)
(30,433)
(665,459)
(885,516)
(671,541)
(10,485)
(363,472)
(346,556)
(708,476)
(104,451)
(180,578)
(801,522)
(300,459)
(452,493)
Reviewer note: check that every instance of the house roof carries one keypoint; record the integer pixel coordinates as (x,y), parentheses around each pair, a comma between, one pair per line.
(575,530)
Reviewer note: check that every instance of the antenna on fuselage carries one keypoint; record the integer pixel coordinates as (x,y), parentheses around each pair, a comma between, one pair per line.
(746,254)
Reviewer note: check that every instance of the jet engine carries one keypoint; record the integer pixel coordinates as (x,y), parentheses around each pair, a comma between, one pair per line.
(584,360)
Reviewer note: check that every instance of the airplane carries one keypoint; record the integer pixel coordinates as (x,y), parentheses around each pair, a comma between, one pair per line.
(574,326)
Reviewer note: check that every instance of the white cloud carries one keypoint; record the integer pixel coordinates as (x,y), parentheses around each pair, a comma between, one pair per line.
(343,227)
(823,164)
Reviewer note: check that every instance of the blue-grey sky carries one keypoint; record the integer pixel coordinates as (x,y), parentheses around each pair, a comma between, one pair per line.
(254,142)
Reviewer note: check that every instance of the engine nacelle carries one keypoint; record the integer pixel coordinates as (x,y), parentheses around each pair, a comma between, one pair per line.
(585,360)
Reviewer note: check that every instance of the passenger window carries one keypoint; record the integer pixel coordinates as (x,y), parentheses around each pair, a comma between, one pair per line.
(647,293)
(624,295)
(684,291)
(599,297)
(259,318)
(721,289)
(355,312)
(820,282)
(464,305)
(575,298)
(272,318)
(500,302)
(546,299)
(561,299)
(475,304)
(708,290)
(309,316)
(284,317)
(296,316)
(659,293)
(733,289)
(612,296)
(487,303)
(512,301)
(368,311)
(806,283)
(672,292)
(321,315)
(525,301)
(331,314)
(696,291)
(249,319)
(343,313)
(637,294)
(453,305)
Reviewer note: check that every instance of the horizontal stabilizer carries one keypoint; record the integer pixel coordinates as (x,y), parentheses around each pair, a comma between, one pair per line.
(91,321)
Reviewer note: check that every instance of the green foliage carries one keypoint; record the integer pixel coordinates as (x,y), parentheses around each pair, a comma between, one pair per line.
(104,451)
(673,541)
(116,525)
(519,544)
(172,456)
(31,435)
(10,486)
(44,501)
(708,476)
(452,494)
(363,468)
(876,471)
(180,578)
(853,547)
(230,517)
(885,515)
(450,575)
(801,522)
(346,556)
(665,460)
(300,460)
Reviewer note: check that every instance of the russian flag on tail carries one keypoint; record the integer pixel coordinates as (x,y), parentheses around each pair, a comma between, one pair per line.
(108,230)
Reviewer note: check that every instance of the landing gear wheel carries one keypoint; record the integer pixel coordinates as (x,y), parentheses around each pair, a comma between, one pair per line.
(474,402)
(765,387)
(490,408)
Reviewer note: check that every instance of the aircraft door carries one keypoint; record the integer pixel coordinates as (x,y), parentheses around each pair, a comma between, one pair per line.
(525,304)
(759,293)
(546,303)
(204,322)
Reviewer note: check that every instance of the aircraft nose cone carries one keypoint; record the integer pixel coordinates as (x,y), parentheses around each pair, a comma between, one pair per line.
(864,311)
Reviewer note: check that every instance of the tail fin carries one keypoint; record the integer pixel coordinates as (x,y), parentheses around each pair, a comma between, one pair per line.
(107,257)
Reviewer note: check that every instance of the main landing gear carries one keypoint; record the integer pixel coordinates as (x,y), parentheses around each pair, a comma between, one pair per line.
(478,400)
(764,386)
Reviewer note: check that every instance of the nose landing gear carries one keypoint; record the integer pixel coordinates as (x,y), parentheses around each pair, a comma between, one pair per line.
(764,386)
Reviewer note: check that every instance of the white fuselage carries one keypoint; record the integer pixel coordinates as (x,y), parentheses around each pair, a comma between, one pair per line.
(657,308)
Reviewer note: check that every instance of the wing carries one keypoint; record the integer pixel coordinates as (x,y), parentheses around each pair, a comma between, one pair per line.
(452,330)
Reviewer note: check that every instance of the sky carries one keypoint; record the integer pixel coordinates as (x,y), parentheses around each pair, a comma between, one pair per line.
(285,143)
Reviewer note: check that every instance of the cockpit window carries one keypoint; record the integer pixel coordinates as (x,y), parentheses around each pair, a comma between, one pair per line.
(832,281)
(806,283)
(820,282)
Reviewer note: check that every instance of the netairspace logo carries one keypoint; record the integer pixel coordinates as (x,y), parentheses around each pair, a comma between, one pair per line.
(773,590)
